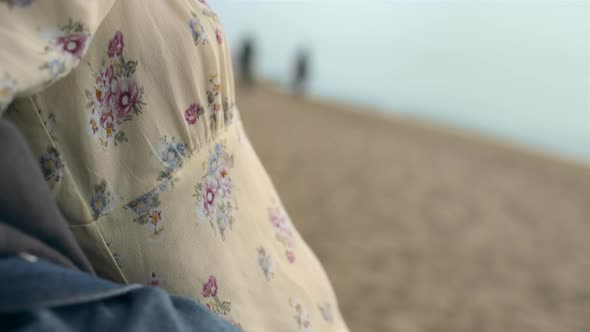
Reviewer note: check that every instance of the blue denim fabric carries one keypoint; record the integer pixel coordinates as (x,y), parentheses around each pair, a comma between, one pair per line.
(42,296)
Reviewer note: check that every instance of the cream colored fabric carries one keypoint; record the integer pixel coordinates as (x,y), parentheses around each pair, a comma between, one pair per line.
(130,108)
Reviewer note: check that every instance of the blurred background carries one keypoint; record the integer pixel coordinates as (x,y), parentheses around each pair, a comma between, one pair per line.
(434,153)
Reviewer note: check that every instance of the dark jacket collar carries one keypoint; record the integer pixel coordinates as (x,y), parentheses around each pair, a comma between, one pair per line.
(30,220)
(32,283)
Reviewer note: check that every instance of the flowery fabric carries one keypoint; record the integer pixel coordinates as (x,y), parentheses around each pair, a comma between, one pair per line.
(300,315)
(71,41)
(117,96)
(283,232)
(213,302)
(131,111)
(215,201)
(102,200)
(266,263)
(51,165)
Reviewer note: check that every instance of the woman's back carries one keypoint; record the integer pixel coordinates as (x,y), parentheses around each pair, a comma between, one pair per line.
(137,132)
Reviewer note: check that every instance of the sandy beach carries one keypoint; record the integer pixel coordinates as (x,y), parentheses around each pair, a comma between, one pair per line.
(421,229)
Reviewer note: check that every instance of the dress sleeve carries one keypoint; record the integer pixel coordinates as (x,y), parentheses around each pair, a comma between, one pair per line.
(41,41)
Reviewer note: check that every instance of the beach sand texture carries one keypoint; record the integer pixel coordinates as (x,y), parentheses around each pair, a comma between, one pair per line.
(420,229)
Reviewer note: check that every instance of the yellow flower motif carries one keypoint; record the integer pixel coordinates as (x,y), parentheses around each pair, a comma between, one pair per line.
(5,92)
(155,217)
(98,204)
(216,85)
(140,206)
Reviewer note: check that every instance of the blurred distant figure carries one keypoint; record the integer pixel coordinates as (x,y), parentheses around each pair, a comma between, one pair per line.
(301,71)
(246,62)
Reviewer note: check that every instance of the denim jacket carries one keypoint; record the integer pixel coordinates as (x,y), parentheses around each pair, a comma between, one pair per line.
(37,295)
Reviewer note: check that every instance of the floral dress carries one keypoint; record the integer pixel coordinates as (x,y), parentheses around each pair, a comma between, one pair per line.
(130,109)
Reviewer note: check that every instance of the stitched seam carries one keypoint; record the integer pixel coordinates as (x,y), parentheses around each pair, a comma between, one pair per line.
(75,185)
(113,261)
(104,246)
(55,145)
(180,172)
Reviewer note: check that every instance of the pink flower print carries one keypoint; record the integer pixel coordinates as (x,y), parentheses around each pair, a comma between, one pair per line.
(278,220)
(115,47)
(219,36)
(105,84)
(275,219)
(210,188)
(213,193)
(210,287)
(153,281)
(106,118)
(73,44)
(290,256)
(116,96)
(216,305)
(193,112)
(126,97)
(283,233)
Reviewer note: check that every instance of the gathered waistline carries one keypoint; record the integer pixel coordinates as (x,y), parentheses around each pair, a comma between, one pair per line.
(194,154)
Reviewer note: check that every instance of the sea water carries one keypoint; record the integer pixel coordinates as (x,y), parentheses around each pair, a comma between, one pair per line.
(514,69)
